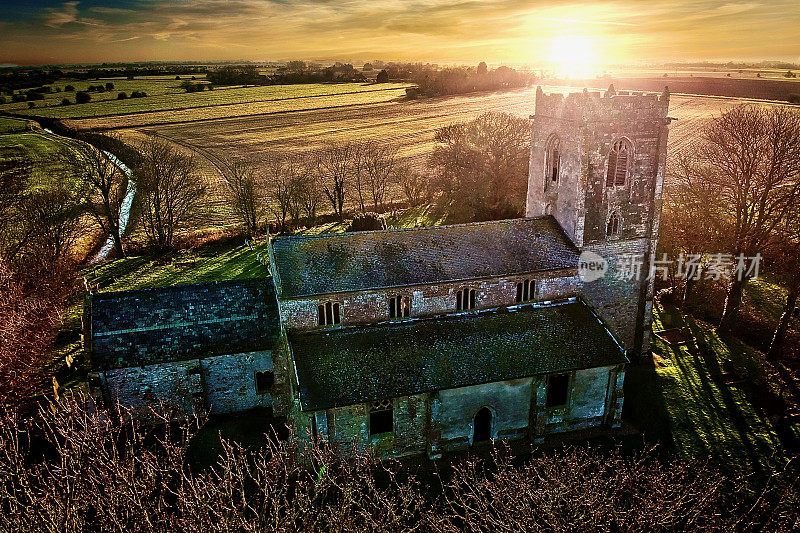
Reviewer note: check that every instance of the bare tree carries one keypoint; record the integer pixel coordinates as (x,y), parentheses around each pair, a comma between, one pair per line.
(172,194)
(483,165)
(105,186)
(413,183)
(750,158)
(786,258)
(309,192)
(335,167)
(245,189)
(690,221)
(379,162)
(286,173)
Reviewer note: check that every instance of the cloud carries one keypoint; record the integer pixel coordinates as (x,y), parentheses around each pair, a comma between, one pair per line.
(55,18)
(438,30)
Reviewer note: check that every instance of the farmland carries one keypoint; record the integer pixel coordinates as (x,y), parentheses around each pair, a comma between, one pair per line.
(152,85)
(225,101)
(410,125)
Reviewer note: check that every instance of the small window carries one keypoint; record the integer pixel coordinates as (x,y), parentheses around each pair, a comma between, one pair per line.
(265,379)
(557,390)
(465,299)
(618,163)
(526,290)
(328,314)
(552,161)
(399,306)
(612,227)
(381,417)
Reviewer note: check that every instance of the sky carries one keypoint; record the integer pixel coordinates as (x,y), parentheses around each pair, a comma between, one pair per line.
(497,31)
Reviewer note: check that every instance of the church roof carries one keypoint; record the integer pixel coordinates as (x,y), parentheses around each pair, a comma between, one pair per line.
(343,262)
(346,366)
(141,327)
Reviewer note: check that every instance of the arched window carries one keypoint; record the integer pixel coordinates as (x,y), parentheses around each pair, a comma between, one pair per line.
(552,161)
(618,163)
(612,228)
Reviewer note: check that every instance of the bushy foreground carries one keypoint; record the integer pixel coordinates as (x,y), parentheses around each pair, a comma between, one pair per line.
(73,468)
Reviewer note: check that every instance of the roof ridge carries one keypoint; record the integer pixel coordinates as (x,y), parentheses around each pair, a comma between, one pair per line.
(420,228)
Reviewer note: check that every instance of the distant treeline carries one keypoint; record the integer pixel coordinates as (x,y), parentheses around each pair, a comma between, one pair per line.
(25,77)
(460,80)
(293,72)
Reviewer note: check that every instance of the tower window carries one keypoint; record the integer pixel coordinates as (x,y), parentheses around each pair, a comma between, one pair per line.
(265,379)
(465,299)
(557,390)
(552,161)
(381,417)
(526,290)
(612,228)
(328,314)
(399,306)
(618,163)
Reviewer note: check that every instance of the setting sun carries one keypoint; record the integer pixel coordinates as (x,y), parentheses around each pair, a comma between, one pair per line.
(569,53)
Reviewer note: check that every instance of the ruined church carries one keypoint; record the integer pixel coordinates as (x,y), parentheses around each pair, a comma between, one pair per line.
(425,340)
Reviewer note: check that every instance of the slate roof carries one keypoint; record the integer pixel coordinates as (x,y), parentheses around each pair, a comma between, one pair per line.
(136,328)
(323,264)
(352,365)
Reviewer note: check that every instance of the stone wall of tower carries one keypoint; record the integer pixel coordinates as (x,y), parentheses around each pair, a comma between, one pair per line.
(587,125)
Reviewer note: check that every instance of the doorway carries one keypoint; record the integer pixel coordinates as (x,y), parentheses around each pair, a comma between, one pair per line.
(482,427)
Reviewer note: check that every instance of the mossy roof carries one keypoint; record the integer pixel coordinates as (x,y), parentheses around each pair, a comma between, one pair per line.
(141,327)
(324,264)
(347,366)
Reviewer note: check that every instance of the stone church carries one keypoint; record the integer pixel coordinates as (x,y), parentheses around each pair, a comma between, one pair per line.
(424,340)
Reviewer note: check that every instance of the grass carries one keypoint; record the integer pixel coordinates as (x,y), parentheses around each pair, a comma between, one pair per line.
(680,401)
(12,125)
(39,148)
(176,98)
(211,263)
(52,101)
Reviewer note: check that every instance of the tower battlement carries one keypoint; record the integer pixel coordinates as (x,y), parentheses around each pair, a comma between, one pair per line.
(602,105)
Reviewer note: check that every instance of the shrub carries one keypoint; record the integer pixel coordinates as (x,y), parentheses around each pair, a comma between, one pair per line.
(138,94)
(383,76)
(31,105)
(794,98)
(109,86)
(65,101)
(82,97)
(122,96)
(17,97)
(367,222)
(69,89)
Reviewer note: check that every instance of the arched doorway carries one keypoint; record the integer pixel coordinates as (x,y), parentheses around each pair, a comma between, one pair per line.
(482,431)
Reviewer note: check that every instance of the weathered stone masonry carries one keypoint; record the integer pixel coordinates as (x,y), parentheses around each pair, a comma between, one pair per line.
(189,346)
(499,337)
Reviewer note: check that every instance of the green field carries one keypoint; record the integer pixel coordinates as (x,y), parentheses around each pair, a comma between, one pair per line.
(204,264)
(154,86)
(171,97)
(38,148)
(12,125)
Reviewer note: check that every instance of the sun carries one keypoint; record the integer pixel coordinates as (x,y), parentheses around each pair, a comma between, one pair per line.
(571,54)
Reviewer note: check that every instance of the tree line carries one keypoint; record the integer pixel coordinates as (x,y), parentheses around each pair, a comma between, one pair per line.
(478,171)
(736,191)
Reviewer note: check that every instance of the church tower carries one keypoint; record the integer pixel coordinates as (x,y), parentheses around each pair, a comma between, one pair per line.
(597,165)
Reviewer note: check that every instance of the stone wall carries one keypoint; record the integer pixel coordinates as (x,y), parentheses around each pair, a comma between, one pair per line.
(444,420)
(219,384)
(453,412)
(588,124)
(373,306)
